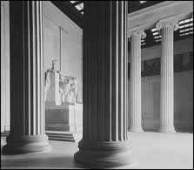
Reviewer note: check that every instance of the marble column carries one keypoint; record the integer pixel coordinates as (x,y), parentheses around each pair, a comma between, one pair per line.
(105,81)
(27,131)
(167,75)
(135,81)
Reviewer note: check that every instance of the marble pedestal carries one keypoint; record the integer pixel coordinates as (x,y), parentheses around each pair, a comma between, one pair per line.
(64,122)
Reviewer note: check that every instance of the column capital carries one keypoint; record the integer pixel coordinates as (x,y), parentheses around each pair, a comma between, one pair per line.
(171,22)
(137,32)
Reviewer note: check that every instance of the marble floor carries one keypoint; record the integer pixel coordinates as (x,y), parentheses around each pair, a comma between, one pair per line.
(150,150)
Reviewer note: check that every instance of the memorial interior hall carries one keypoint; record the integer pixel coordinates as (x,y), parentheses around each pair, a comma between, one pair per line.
(97,84)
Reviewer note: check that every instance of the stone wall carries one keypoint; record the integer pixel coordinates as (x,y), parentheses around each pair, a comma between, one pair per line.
(62,42)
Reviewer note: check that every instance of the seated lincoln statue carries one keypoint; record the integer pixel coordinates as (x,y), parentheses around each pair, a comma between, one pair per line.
(59,88)
(62,111)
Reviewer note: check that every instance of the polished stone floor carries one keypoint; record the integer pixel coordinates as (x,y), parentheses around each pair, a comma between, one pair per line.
(151,151)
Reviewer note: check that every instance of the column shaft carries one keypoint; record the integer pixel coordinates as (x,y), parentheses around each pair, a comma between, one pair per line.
(135,82)
(167,78)
(105,68)
(27,133)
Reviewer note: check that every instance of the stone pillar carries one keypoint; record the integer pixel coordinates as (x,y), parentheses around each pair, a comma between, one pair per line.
(27,133)
(105,81)
(167,75)
(5,69)
(135,81)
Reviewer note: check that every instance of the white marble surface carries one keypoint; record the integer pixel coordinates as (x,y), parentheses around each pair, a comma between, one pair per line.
(151,150)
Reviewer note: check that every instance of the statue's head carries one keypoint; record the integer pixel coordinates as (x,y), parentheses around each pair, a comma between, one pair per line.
(54,64)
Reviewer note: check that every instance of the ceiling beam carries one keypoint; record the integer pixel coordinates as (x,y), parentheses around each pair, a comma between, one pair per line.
(82,10)
(149,37)
(149,16)
(136,5)
(76,3)
(68,9)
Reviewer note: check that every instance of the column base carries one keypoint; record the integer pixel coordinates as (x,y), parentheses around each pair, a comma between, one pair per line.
(136,129)
(26,144)
(105,154)
(167,130)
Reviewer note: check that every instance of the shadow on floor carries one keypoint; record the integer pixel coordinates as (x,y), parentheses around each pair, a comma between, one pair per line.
(41,162)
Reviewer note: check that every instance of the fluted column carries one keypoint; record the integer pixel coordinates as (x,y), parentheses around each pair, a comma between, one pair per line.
(135,81)
(167,75)
(105,68)
(27,133)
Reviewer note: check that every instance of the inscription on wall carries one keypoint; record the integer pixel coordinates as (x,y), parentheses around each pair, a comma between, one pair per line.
(182,62)
(151,67)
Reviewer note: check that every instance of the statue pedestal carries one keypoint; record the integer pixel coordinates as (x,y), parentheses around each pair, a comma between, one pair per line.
(64,122)
(63,115)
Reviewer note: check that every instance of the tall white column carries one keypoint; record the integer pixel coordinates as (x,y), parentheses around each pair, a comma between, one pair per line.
(167,75)
(27,132)
(135,81)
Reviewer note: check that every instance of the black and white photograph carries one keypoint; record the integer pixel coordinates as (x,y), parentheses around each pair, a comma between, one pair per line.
(96,84)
